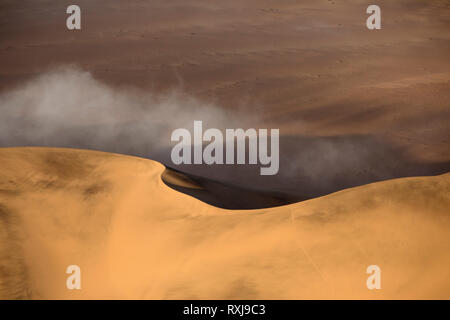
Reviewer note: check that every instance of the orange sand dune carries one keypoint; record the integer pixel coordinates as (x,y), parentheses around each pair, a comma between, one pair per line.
(135,237)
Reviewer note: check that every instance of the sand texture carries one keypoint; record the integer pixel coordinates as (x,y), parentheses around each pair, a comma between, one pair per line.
(136,238)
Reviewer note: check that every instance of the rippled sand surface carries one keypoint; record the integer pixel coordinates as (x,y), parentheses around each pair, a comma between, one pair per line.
(136,238)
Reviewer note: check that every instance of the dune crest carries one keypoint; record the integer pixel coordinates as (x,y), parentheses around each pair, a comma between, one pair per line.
(136,238)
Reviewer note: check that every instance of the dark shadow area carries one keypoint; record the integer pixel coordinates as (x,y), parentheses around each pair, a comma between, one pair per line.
(309,166)
(229,196)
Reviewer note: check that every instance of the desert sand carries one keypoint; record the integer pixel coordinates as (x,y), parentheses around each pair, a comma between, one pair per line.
(354,106)
(364,149)
(136,238)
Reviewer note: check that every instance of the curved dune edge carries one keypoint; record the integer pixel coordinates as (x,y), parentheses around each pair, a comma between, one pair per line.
(136,238)
(170,176)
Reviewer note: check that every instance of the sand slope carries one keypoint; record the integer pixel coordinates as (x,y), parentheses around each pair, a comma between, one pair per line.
(135,237)
(373,101)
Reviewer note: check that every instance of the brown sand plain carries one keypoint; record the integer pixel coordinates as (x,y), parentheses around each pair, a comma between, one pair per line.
(136,238)
(307,67)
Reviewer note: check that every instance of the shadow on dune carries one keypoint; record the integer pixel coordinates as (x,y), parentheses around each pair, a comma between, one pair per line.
(309,167)
(228,196)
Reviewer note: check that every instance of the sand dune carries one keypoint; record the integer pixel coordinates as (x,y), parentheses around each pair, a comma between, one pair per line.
(135,237)
(353,106)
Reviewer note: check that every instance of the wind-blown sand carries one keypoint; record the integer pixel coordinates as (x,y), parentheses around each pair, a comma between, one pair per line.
(135,237)
(353,105)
